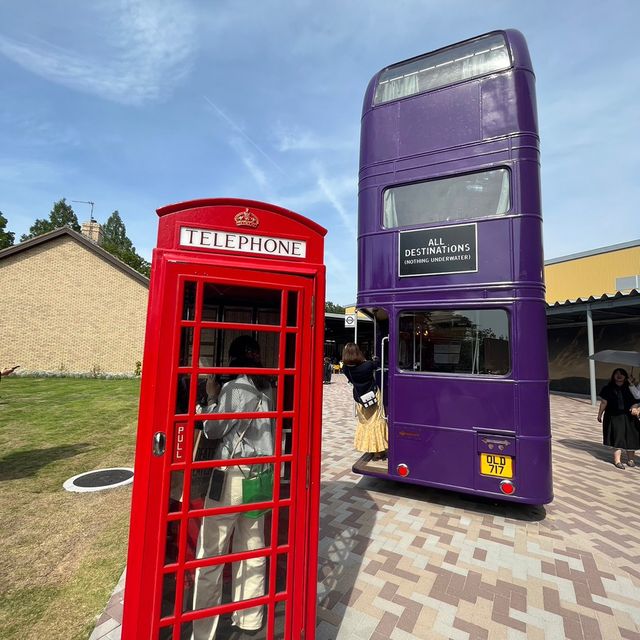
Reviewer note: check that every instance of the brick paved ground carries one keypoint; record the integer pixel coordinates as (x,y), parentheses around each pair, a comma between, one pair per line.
(406,563)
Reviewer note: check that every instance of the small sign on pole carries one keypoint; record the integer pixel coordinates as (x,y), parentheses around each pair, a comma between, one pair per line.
(350,320)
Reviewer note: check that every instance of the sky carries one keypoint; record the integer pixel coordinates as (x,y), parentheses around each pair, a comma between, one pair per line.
(135,104)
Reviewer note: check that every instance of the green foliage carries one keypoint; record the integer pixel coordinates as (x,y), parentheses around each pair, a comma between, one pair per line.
(330,307)
(61,215)
(6,237)
(116,242)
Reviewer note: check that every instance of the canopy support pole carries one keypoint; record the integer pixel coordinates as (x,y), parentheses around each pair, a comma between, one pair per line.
(592,363)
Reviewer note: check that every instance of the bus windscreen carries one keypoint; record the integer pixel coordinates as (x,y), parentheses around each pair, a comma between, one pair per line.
(462,62)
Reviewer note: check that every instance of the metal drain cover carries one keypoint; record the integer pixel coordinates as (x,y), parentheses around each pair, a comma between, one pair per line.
(99,480)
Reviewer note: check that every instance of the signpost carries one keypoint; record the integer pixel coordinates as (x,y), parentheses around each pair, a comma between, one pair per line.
(351,322)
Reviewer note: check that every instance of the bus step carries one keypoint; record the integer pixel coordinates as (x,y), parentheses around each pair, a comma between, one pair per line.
(367,466)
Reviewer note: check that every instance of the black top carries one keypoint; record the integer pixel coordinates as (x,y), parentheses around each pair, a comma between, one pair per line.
(361,376)
(619,399)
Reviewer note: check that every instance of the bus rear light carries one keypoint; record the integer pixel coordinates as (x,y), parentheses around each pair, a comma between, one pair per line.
(402,470)
(506,486)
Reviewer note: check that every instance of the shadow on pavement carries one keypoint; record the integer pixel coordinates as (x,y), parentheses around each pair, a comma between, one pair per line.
(477,504)
(22,464)
(598,451)
(347,517)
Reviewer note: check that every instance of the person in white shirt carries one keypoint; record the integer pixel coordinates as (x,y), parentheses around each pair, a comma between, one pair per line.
(240,438)
(634,387)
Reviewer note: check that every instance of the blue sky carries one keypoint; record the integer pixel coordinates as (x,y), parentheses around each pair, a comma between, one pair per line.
(135,104)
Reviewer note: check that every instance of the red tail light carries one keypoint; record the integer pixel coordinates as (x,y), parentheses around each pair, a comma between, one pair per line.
(506,486)
(402,470)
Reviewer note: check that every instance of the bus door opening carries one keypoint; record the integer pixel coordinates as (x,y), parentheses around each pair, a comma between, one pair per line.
(366,464)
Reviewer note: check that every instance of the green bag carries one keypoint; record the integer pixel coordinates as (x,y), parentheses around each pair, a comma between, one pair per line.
(257,487)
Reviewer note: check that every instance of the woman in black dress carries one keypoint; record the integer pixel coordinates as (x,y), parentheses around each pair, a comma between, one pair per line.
(371,432)
(619,429)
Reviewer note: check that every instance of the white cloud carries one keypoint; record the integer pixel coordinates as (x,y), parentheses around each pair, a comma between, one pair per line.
(291,138)
(333,191)
(29,172)
(341,276)
(147,47)
(241,132)
(250,162)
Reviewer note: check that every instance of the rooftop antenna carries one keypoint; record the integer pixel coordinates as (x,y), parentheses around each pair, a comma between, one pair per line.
(87,202)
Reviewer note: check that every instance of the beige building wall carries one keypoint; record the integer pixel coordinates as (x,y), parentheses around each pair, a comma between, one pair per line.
(593,275)
(65,308)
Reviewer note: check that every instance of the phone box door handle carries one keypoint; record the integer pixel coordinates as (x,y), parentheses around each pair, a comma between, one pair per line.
(159,443)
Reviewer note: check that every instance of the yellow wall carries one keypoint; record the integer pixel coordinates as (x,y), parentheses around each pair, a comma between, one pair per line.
(590,276)
(66,309)
(352,309)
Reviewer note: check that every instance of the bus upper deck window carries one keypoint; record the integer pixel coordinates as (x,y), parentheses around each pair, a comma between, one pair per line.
(434,70)
(472,195)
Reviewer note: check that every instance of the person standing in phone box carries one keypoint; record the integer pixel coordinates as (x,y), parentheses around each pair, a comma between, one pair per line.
(240,438)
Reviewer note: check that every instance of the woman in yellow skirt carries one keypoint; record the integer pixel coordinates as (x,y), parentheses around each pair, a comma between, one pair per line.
(371,431)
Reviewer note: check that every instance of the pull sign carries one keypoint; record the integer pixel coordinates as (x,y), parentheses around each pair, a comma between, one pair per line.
(243,242)
(179,442)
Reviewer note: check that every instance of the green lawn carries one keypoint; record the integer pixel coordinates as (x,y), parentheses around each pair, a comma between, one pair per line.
(62,553)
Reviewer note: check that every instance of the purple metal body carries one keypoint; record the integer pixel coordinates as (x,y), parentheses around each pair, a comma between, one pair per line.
(438,424)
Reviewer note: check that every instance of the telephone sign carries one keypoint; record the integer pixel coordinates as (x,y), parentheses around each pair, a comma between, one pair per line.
(224,520)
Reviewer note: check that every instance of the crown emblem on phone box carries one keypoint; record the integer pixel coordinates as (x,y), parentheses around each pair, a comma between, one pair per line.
(246,219)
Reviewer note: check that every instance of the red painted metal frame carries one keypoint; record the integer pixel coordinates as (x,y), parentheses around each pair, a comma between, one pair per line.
(149,517)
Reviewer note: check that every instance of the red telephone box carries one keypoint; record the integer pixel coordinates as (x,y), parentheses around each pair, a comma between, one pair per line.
(230,403)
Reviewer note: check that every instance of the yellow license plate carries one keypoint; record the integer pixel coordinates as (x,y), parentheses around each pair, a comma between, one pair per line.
(492,464)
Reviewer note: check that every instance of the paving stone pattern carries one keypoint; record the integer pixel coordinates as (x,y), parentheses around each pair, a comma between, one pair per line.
(403,562)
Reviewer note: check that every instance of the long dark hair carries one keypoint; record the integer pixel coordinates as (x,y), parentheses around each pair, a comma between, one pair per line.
(612,382)
(242,352)
(351,354)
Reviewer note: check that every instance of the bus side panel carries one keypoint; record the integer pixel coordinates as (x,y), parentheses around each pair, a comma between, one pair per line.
(379,136)
(381,270)
(533,407)
(436,425)
(498,99)
(488,113)
(529,341)
(381,264)
(453,402)
(443,123)
(434,455)
(528,251)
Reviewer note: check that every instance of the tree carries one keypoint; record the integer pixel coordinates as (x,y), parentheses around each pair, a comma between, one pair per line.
(116,242)
(6,237)
(330,307)
(61,215)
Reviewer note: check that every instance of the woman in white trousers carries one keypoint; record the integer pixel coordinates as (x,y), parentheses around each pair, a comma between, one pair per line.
(240,438)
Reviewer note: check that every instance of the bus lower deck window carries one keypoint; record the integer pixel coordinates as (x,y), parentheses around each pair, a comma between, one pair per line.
(469,341)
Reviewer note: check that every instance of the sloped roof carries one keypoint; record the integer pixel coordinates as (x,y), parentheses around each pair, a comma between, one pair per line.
(605,297)
(616,307)
(84,241)
(593,252)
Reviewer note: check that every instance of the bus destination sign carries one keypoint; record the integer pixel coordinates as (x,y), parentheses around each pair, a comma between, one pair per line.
(439,251)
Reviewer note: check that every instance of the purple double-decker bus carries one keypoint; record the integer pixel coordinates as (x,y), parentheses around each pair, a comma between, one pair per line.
(450,268)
